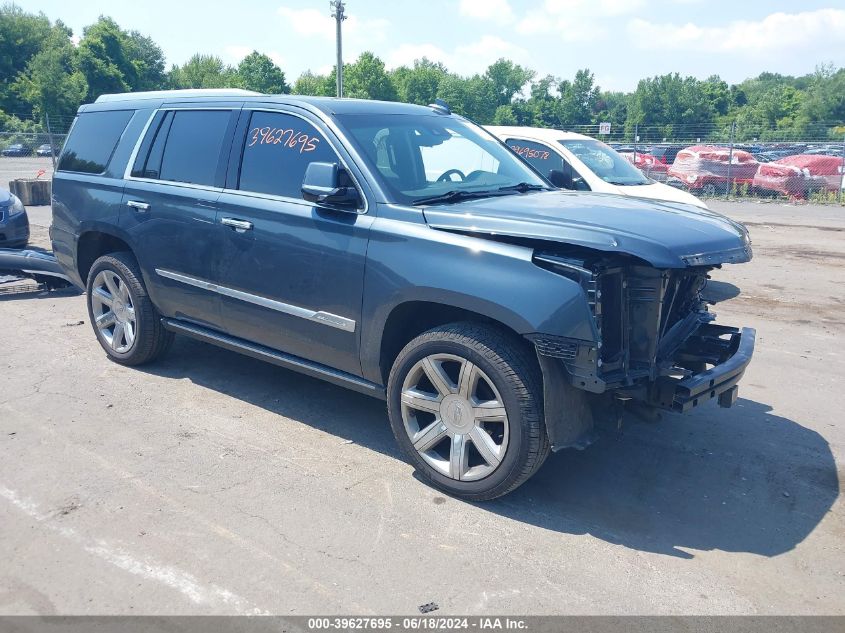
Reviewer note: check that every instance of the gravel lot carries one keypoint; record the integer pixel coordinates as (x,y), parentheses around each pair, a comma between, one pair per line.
(213,483)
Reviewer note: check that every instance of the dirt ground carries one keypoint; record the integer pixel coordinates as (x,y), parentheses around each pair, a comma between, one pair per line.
(213,483)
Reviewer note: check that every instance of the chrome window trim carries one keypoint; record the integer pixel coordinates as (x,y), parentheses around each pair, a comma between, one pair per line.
(302,201)
(127,173)
(326,318)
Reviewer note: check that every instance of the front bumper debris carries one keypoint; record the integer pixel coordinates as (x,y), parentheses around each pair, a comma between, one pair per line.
(729,350)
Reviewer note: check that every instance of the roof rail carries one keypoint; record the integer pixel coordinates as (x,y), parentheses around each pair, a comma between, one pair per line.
(164,94)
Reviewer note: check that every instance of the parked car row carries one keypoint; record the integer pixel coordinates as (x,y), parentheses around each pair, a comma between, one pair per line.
(20,149)
(796,170)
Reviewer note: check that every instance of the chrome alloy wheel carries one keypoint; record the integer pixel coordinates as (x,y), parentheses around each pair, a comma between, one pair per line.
(114,312)
(454,417)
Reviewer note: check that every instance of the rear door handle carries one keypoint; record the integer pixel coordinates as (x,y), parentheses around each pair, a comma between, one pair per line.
(139,206)
(239,225)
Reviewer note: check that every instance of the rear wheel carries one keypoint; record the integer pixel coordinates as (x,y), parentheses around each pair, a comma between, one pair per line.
(124,319)
(465,405)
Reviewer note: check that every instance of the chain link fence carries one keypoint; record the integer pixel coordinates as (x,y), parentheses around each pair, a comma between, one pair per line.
(29,145)
(804,163)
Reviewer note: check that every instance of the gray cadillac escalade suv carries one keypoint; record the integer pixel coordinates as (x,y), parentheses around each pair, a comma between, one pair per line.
(400,251)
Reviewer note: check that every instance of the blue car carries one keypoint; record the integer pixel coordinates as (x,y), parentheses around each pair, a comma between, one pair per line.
(14,223)
(400,251)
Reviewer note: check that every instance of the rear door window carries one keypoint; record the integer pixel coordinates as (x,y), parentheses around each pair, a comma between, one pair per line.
(193,146)
(93,140)
(277,151)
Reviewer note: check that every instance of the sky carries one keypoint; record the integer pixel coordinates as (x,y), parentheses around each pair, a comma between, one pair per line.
(621,41)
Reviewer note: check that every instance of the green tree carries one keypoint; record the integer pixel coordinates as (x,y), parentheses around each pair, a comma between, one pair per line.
(203,71)
(508,79)
(578,99)
(474,97)
(22,36)
(825,98)
(670,106)
(52,82)
(366,78)
(418,84)
(543,102)
(505,115)
(612,107)
(114,60)
(148,59)
(315,85)
(105,60)
(258,72)
(718,93)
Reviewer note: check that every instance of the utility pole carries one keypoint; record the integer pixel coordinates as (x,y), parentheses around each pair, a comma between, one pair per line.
(338,7)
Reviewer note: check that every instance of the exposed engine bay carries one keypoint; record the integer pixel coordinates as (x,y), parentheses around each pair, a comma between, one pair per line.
(655,340)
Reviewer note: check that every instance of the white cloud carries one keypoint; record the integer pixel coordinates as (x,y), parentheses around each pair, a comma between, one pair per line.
(480,54)
(575,20)
(236,53)
(780,34)
(405,55)
(595,8)
(466,59)
(495,10)
(315,22)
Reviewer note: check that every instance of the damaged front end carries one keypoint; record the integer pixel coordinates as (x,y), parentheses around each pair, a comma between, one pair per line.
(655,344)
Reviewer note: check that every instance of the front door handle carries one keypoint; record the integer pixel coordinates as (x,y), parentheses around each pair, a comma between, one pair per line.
(239,225)
(140,207)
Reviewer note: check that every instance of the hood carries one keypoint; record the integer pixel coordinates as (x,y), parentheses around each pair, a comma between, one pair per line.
(659,191)
(5,198)
(666,235)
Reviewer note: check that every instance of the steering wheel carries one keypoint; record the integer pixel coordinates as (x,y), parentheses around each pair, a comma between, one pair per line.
(445,176)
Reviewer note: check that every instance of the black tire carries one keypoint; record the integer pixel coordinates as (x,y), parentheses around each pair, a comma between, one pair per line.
(515,373)
(151,339)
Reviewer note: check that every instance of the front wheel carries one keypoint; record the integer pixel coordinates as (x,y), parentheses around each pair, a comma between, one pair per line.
(465,405)
(127,325)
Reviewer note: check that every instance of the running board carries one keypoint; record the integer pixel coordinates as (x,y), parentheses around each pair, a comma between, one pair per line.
(288,361)
(31,263)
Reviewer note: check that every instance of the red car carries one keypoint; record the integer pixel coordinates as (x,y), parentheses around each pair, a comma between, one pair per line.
(705,168)
(650,165)
(797,176)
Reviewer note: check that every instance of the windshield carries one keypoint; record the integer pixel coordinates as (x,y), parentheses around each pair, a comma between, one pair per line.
(606,163)
(424,156)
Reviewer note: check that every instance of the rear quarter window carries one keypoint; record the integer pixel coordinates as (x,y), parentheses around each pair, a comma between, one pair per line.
(93,140)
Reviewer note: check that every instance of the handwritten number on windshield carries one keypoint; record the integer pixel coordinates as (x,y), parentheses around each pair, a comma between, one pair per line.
(287,138)
(527,152)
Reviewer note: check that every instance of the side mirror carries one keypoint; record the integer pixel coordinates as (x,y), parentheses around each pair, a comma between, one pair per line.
(322,185)
(561,179)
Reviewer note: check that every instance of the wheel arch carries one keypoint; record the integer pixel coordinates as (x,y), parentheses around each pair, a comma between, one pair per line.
(409,318)
(95,242)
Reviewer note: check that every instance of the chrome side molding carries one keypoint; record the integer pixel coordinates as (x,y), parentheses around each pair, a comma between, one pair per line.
(326,318)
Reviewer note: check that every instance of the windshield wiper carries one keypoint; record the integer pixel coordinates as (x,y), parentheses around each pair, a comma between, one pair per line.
(457,195)
(524,187)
